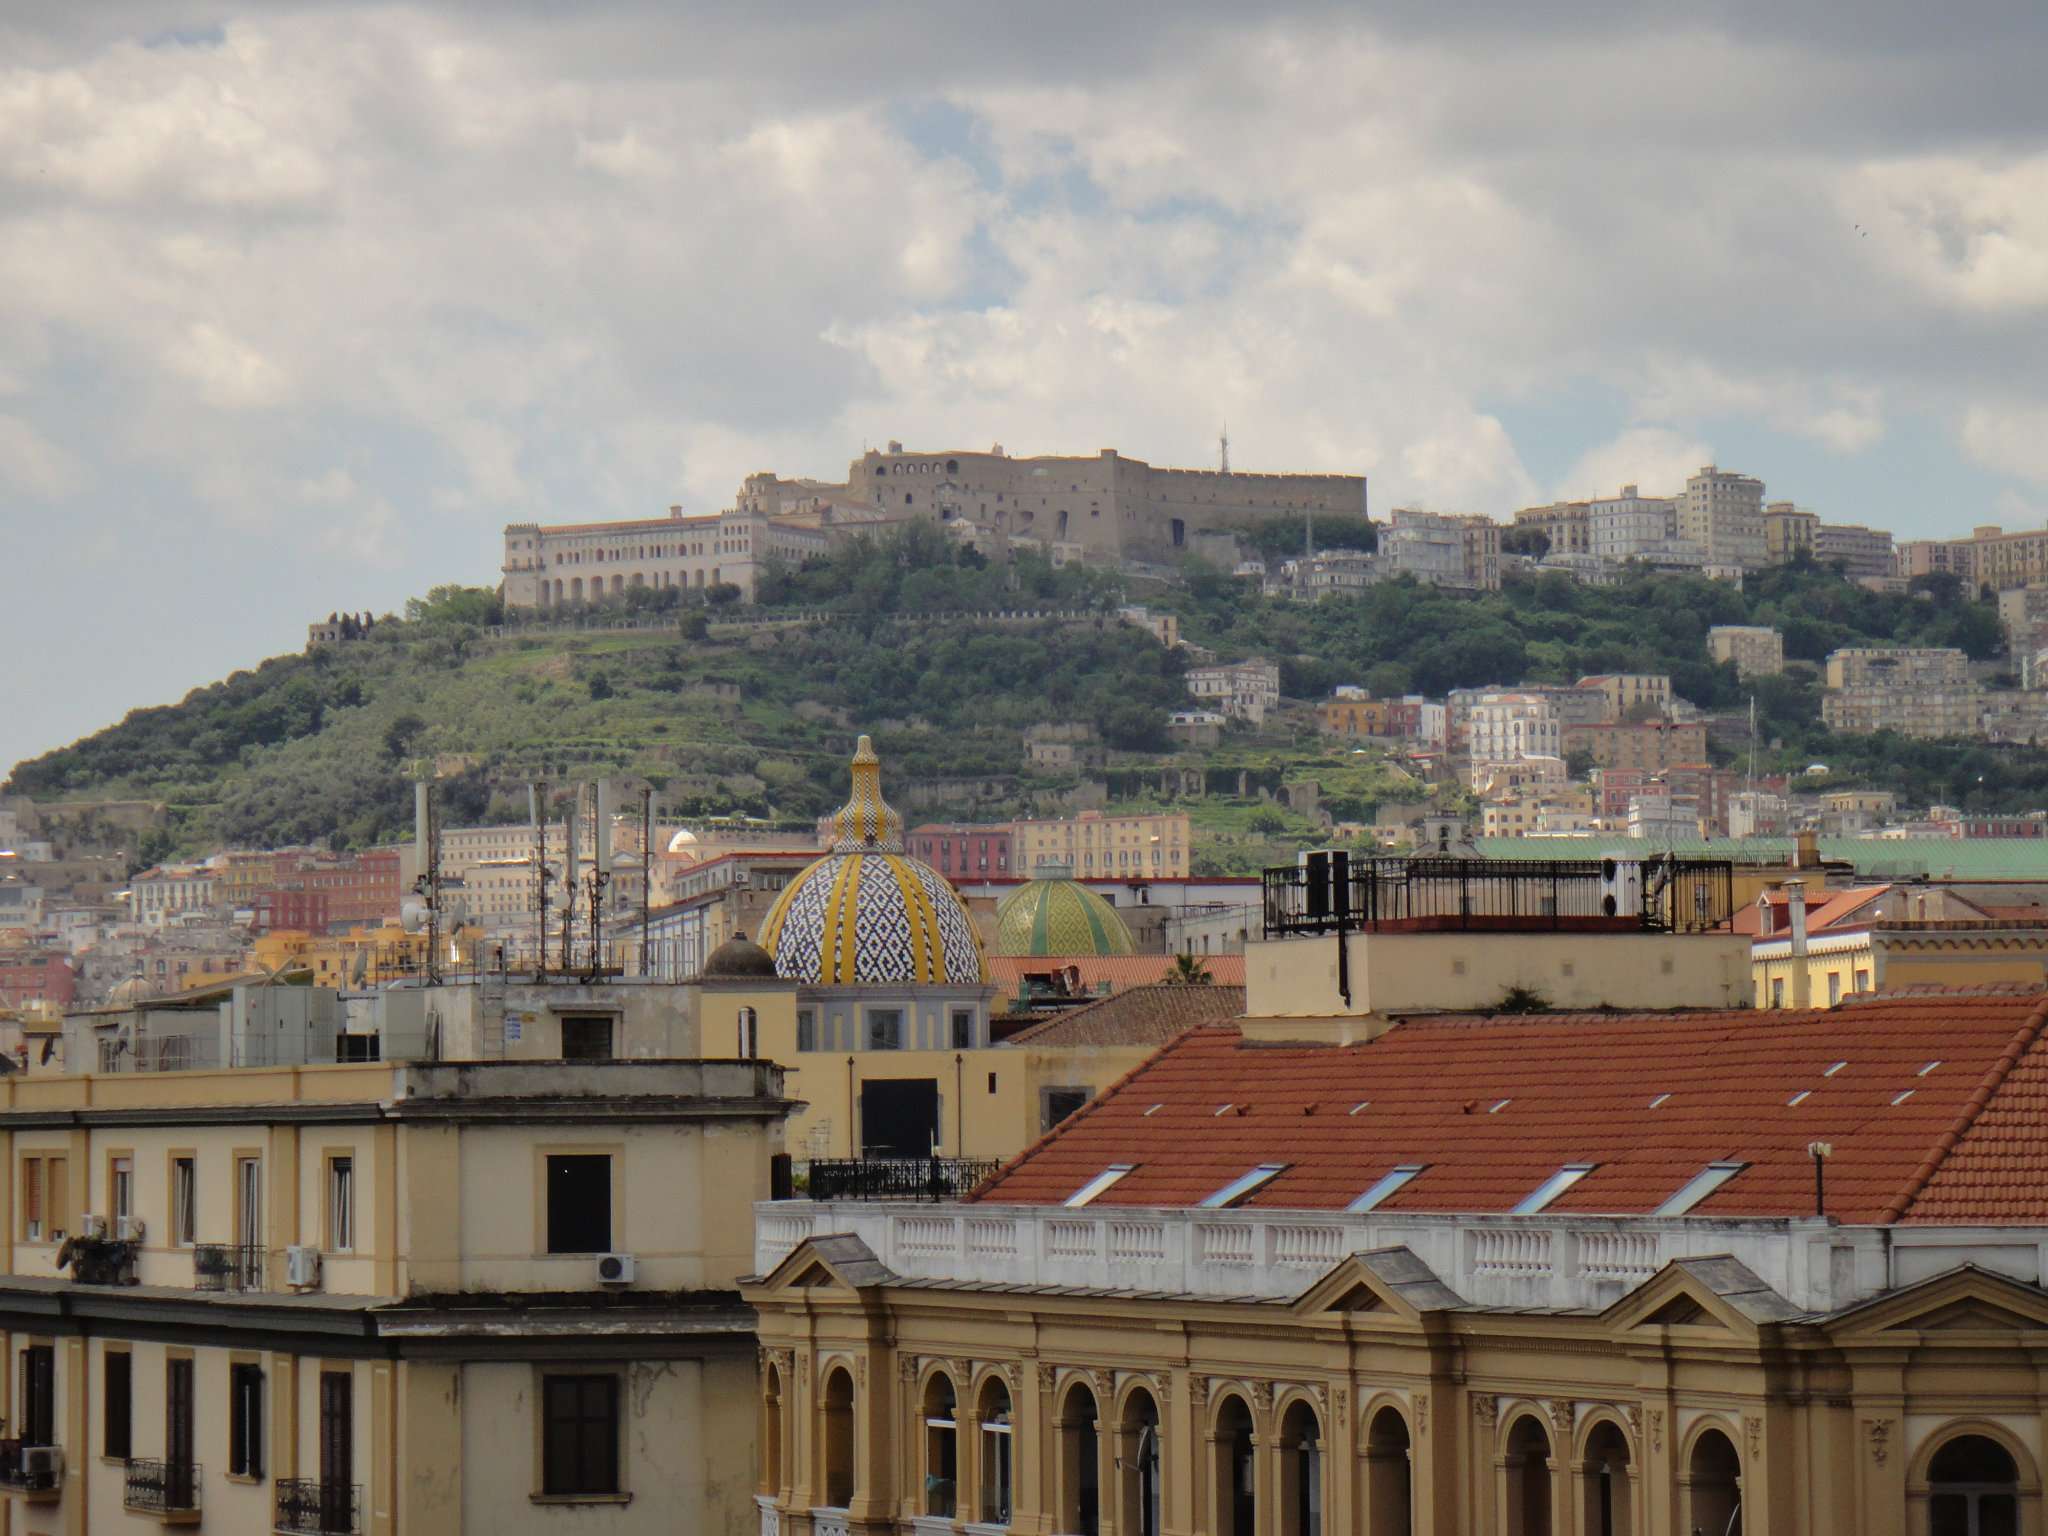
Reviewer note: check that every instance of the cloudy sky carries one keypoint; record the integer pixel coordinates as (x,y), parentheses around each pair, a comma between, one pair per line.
(299,304)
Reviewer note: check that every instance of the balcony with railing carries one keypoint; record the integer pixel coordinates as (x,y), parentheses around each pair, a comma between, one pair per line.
(167,1489)
(1335,893)
(229,1267)
(306,1506)
(36,1472)
(897,1178)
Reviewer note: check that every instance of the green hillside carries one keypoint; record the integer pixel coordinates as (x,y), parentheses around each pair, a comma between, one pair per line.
(730,709)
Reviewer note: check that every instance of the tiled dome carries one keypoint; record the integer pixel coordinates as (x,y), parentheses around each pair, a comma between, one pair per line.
(868,913)
(1059,917)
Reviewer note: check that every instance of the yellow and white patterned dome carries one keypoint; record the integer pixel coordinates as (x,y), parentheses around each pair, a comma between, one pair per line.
(867,913)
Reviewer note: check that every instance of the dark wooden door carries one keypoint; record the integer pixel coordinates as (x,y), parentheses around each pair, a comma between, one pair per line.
(337,1443)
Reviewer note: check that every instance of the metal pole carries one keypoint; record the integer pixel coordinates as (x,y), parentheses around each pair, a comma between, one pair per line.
(646,870)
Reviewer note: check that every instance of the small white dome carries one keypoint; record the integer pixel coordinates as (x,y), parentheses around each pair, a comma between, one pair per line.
(683,842)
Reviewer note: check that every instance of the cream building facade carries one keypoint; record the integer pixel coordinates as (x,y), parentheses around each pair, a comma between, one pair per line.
(1917,691)
(1097,845)
(361,1299)
(1756,649)
(567,565)
(1723,513)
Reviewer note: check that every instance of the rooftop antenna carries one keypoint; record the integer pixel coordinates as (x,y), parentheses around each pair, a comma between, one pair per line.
(1223,447)
(537,813)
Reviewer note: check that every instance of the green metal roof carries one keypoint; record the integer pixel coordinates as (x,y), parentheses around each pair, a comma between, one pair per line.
(1967,858)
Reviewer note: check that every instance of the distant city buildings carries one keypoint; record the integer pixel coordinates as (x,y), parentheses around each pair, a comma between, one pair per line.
(1723,513)
(1916,691)
(1442,550)
(1243,690)
(1756,649)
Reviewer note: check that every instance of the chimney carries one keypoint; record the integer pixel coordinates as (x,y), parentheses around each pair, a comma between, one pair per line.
(1795,908)
(1808,855)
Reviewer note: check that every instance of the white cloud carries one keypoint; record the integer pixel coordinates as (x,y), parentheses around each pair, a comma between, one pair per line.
(2009,436)
(1657,460)
(35,466)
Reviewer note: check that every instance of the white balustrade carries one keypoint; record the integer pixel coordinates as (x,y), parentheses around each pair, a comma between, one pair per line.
(771,1517)
(1137,1241)
(1071,1241)
(987,1239)
(1309,1247)
(1511,1252)
(829,1522)
(927,1236)
(1225,1244)
(1626,1256)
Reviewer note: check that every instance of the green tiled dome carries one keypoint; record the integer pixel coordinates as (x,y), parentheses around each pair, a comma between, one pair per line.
(1059,917)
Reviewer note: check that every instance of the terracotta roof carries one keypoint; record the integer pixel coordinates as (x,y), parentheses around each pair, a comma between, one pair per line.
(1939,1112)
(1147,1015)
(1119,971)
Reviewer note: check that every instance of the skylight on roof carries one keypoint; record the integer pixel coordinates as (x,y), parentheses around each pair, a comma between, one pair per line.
(1831,1071)
(1238,1188)
(1927,1069)
(1221,1110)
(1658,1102)
(1698,1187)
(1799,1098)
(1397,1177)
(1503,1104)
(1552,1187)
(1099,1183)
(1902,1098)
(1361,1104)
(1154,1110)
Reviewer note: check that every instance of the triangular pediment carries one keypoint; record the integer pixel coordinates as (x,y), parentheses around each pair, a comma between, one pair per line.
(1714,1291)
(1391,1281)
(839,1261)
(1961,1300)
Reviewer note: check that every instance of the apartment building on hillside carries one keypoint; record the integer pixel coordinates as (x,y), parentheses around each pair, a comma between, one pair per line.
(1756,649)
(1916,691)
(1097,846)
(1442,550)
(1723,513)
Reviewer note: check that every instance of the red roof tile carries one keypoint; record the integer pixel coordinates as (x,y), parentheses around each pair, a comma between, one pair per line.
(1495,1105)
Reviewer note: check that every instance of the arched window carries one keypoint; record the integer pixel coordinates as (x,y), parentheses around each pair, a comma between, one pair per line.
(1973,1489)
(952,466)
(1388,1476)
(1608,1499)
(996,1453)
(771,1432)
(1236,1502)
(576,590)
(906,498)
(1715,1485)
(1138,1465)
(1528,1475)
(1080,1464)
(941,1447)
(838,1410)
(1301,1472)
(1063,523)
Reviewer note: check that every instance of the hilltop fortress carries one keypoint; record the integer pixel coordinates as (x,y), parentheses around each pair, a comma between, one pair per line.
(1105,509)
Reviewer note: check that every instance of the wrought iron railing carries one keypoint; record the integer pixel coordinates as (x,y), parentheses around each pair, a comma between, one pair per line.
(306,1506)
(26,1467)
(229,1267)
(897,1178)
(1654,894)
(162,1487)
(101,1260)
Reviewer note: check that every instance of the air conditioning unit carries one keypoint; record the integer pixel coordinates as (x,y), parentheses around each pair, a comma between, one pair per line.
(301,1265)
(615,1269)
(93,1226)
(42,1466)
(128,1229)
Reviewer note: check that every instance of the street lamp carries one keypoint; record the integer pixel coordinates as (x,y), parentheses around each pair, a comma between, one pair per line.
(1820,1152)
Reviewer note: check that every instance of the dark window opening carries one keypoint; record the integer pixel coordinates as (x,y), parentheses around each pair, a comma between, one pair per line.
(963,1029)
(39,1395)
(245,1422)
(1060,1103)
(586,1037)
(580,1435)
(580,1203)
(117,1422)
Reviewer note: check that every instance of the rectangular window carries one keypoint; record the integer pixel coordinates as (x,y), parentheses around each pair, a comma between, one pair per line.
(245,1421)
(120,1190)
(885,1029)
(587,1037)
(57,1177)
(337,1432)
(184,1200)
(1552,1187)
(1095,1186)
(117,1417)
(806,1029)
(1834,988)
(178,1411)
(1699,1186)
(579,1203)
(963,1029)
(995,1468)
(32,1199)
(1387,1185)
(39,1395)
(341,1204)
(579,1436)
